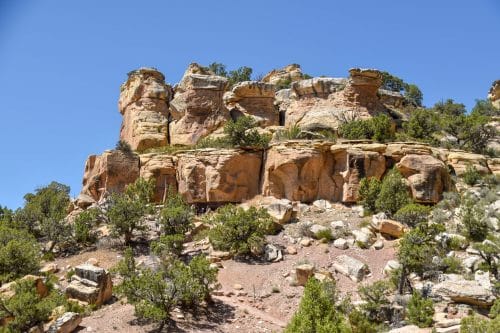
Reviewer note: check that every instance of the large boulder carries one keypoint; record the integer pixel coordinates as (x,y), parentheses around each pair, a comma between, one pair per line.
(287,74)
(143,103)
(300,173)
(218,175)
(350,267)
(428,177)
(197,108)
(109,172)
(389,227)
(67,323)
(160,168)
(281,210)
(90,284)
(464,291)
(255,99)
(303,272)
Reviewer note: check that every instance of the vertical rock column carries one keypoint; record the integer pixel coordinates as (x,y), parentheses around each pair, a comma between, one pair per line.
(144,99)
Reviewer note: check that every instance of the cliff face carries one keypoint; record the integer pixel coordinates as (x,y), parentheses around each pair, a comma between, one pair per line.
(156,115)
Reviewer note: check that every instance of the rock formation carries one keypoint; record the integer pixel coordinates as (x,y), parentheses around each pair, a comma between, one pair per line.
(109,172)
(197,108)
(290,73)
(144,105)
(255,99)
(494,94)
(90,284)
(160,168)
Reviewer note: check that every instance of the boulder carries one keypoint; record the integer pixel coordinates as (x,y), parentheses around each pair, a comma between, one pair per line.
(197,108)
(428,177)
(391,99)
(109,172)
(67,323)
(391,266)
(464,291)
(317,228)
(409,329)
(272,253)
(254,99)
(350,267)
(290,73)
(90,284)
(218,175)
(303,273)
(281,210)
(364,237)
(340,243)
(390,227)
(160,168)
(143,103)
(7,289)
(459,161)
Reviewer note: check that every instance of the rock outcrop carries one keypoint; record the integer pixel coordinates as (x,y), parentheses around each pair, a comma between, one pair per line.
(460,160)
(143,103)
(218,176)
(255,99)
(90,284)
(351,267)
(197,108)
(109,172)
(290,73)
(494,94)
(160,168)
(464,291)
(428,177)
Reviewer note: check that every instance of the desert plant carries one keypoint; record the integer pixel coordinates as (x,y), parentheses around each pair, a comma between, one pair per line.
(452,265)
(412,214)
(476,324)
(240,231)
(19,254)
(356,129)
(472,218)
(124,147)
(420,310)
(316,312)
(168,245)
(471,176)
(394,193)
(83,226)
(376,300)
(242,133)
(324,234)
(369,189)
(176,215)
(290,133)
(489,250)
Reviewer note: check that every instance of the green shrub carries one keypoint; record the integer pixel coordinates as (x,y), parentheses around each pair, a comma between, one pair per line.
(124,147)
(495,309)
(393,193)
(489,252)
(27,307)
(324,234)
(19,254)
(376,300)
(473,219)
(360,323)
(356,130)
(242,133)
(382,128)
(168,245)
(240,231)
(283,84)
(412,214)
(457,243)
(316,312)
(240,74)
(420,310)
(422,125)
(176,215)
(476,324)
(290,133)
(84,224)
(369,189)
(452,265)
(471,176)
(154,294)
(127,209)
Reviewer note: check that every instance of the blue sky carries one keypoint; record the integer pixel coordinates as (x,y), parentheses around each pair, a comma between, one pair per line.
(62,62)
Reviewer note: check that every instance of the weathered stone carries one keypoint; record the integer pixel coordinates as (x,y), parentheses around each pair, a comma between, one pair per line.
(390,227)
(303,273)
(391,266)
(340,243)
(109,172)
(428,177)
(494,94)
(290,73)
(272,253)
(160,168)
(7,289)
(218,175)
(322,204)
(197,108)
(255,99)
(315,229)
(67,323)
(459,161)
(91,284)
(364,238)
(281,210)
(378,245)
(464,291)
(49,268)
(350,267)
(409,329)
(144,105)
(391,99)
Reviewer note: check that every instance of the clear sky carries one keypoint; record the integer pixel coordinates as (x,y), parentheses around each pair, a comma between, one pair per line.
(62,62)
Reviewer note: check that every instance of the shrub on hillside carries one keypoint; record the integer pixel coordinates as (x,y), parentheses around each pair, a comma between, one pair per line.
(420,310)
(394,193)
(176,215)
(369,189)
(378,128)
(124,147)
(471,176)
(242,133)
(240,231)
(473,221)
(375,297)
(290,133)
(316,312)
(422,125)
(412,214)
(128,209)
(19,254)
(476,324)
(84,224)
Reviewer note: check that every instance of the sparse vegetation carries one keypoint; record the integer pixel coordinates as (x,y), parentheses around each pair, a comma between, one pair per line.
(420,310)
(84,224)
(124,147)
(369,189)
(378,128)
(242,133)
(412,214)
(471,176)
(376,300)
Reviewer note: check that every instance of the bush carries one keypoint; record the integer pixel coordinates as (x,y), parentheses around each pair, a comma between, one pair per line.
(242,133)
(452,265)
(412,214)
(27,307)
(376,300)
(19,254)
(316,312)
(128,208)
(422,125)
(124,147)
(290,133)
(476,324)
(168,245)
(471,176)
(420,310)
(473,220)
(240,231)
(360,323)
(489,251)
(393,193)
(324,234)
(176,216)
(154,294)
(84,224)
(356,130)
(369,189)
(382,128)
